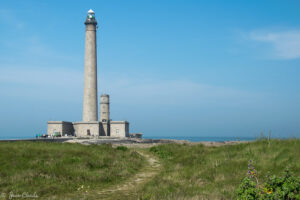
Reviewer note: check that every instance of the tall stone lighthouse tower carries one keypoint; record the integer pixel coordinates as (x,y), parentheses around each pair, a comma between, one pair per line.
(90,101)
(90,126)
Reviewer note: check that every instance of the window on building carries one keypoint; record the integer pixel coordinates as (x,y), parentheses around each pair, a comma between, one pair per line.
(117,131)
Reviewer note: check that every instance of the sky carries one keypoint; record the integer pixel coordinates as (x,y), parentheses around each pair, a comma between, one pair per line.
(171,68)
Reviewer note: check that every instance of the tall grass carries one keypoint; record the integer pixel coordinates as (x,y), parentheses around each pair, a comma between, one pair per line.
(56,169)
(60,171)
(199,172)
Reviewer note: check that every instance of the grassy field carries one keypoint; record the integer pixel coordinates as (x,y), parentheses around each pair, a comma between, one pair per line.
(199,172)
(56,169)
(73,171)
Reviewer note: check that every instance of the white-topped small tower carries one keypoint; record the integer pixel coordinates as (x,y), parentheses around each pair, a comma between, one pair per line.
(90,96)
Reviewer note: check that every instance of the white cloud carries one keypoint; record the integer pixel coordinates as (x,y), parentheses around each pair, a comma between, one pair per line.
(57,77)
(136,90)
(68,84)
(51,84)
(284,44)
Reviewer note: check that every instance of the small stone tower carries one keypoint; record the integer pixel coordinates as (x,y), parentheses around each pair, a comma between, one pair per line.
(90,101)
(104,114)
(104,108)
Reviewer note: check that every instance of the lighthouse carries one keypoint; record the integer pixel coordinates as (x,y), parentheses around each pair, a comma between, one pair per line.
(90,126)
(90,100)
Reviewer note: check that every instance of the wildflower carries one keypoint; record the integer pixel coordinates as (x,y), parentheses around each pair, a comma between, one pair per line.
(251,170)
(268,190)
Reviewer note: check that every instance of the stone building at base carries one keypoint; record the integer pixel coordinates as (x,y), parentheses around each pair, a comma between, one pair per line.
(80,129)
(106,127)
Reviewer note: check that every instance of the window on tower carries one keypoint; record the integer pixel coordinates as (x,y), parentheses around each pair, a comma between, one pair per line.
(91,14)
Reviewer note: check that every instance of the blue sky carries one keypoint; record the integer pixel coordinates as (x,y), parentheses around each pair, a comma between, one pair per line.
(172,68)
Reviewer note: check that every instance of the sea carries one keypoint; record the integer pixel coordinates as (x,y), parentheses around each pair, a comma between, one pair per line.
(188,138)
(204,139)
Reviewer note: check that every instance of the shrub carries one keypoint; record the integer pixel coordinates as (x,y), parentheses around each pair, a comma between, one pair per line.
(160,152)
(122,148)
(286,187)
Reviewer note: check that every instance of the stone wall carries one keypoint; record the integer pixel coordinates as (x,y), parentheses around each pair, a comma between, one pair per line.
(119,129)
(90,97)
(54,127)
(104,108)
(83,129)
(61,127)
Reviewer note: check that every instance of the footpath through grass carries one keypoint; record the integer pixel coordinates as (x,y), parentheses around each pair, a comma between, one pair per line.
(75,171)
(56,169)
(199,172)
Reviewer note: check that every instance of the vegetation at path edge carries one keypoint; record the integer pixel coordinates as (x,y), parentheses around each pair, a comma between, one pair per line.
(56,169)
(201,172)
(75,171)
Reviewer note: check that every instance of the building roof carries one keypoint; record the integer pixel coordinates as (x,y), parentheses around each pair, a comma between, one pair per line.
(119,122)
(91,11)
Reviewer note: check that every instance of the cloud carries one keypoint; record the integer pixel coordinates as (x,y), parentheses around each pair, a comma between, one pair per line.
(40,83)
(37,94)
(284,44)
(174,92)
(67,84)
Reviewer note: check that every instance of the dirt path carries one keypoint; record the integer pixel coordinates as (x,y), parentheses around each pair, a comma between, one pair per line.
(128,189)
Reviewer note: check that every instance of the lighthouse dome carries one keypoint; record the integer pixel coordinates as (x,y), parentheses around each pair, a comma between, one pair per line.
(91,11)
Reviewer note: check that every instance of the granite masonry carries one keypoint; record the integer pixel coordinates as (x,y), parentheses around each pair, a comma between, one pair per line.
(90,126)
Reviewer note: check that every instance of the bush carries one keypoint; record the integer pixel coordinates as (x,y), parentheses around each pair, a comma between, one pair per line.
(248,190)
(160,152)
(122,148)
(286,187)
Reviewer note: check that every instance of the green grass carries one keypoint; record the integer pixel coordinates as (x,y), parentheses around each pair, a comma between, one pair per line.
(199,172)
(187,171)
(56,169)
